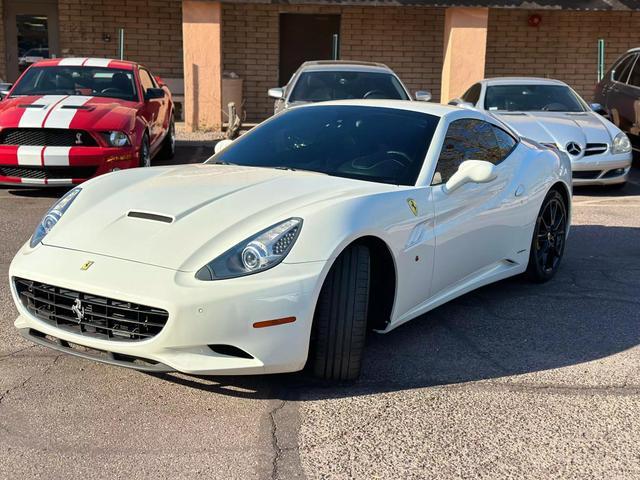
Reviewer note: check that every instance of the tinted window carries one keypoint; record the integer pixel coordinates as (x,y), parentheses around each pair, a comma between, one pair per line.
(470,139)
(506,142)
(68,80)
(530,98)
(621,71)
(473,94)
(367,143)
(634,79)
(323,86)
(146,80)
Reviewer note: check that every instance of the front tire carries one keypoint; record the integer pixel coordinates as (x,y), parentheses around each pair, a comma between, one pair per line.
(340,321)
(549,238)
(168,149)
(144,159)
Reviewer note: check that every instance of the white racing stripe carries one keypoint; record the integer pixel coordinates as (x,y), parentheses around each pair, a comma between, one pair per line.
(56,156)
(34,116)
(33,181)
(97,62)
(29,155)
(72,62)
(59,181)
(61,117)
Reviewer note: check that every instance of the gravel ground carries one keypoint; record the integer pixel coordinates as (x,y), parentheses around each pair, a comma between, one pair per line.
(511,381)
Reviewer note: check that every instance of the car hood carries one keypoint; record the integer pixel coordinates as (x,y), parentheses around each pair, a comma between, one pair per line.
(559,128)
(200,210)
(67,111)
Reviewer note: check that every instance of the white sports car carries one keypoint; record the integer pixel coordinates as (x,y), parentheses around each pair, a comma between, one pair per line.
(288,245)
(552,113)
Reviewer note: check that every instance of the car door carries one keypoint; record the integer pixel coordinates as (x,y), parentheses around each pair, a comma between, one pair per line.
(152,109)
(476,223)
(614,91)
(628,105)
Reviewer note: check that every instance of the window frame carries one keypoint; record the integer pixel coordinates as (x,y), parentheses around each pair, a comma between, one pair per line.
(469,89)
(634,61)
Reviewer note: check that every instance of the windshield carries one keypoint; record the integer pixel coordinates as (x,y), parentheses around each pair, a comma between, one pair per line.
(323,86)
(367,143)
(68,80)
(532,98)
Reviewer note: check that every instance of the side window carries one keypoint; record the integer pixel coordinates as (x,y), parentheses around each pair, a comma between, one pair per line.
(621,71)
(146,80)
(506,143)
(634,79)
(470,139)
(473,94)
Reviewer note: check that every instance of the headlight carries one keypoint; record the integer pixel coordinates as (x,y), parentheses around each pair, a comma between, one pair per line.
(116,139)
(52,216)
(264,250)
(621,144)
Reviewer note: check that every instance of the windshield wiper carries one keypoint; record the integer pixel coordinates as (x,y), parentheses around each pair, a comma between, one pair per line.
(221,162)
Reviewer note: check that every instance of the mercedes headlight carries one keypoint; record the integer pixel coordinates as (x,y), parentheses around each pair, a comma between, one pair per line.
(621,144)
(260,252)
(52,216)
(116,139)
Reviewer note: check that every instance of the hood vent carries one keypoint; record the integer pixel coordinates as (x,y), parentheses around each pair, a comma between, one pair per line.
(155,217)
(76,107)
(32,105)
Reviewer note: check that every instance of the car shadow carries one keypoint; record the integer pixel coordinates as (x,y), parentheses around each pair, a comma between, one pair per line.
(587,312)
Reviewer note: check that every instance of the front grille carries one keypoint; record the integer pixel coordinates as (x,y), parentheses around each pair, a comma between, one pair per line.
(595,149)
(90,315)
(47,137)
(586,174)
(47,172)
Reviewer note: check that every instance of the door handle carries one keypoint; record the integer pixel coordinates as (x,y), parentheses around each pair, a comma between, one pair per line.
(519,191)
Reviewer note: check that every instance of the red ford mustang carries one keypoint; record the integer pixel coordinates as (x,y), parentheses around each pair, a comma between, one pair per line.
(67,120)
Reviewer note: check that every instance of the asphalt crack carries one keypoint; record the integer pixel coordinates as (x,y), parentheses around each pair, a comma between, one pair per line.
(275,443)
(31,377)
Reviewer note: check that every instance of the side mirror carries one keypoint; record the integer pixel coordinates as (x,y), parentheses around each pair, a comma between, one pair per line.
(276,93)
(221,145)
(471,171)
(5,88)
(159,81)
(598,108)
(154,93)
(423,96)
(457,102)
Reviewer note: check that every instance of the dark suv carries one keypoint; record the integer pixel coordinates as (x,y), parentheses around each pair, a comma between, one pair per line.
(618,94)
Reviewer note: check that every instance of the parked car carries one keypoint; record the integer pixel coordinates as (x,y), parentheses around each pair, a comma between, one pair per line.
(68,120)
(292,241)
(32,56)
(618,95)
(325,80)
(552,113)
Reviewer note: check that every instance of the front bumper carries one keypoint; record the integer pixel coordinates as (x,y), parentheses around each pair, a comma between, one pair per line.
(60,166)
(605,169)
(200,313)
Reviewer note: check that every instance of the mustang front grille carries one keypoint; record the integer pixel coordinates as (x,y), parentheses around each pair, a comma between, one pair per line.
(47,137)
(90,315)
(47,172)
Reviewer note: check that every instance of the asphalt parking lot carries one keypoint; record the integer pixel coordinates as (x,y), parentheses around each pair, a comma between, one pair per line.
(513,380)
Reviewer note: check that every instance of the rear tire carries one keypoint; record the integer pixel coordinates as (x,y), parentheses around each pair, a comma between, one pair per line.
(549,238)
(340,321)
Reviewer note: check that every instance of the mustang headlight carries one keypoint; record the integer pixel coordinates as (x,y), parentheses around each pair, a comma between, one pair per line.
(255,254)
(621,144)
(116,139)
(53,215)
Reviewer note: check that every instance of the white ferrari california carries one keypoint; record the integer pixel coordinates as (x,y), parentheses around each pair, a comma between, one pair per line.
(552,113)
(292,242)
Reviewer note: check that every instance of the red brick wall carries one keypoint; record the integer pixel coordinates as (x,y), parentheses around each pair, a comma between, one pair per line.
(407,39)
(564,46)
(153,31)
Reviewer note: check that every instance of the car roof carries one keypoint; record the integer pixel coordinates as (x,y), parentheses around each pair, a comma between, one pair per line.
(521,81)
(86,61)
(342,65)
(436,109)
